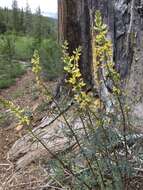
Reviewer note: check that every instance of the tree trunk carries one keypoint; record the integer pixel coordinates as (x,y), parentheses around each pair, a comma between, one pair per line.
(74,26)
(125,21)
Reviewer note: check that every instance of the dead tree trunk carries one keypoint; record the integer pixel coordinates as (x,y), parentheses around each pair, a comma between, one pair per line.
(125,20)
(74,26)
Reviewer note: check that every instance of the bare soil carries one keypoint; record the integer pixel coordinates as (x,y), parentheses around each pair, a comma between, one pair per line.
(25,94)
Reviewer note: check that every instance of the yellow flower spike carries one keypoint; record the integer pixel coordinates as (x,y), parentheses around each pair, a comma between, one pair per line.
(19,113)
(75,79)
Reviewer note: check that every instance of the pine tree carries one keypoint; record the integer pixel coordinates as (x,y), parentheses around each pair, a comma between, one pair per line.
(38,25)
(7,19)
(3,27)
(28,19)
(22,27)
(15,16)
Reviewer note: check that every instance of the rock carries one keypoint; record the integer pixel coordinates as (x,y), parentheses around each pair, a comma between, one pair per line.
(27,149)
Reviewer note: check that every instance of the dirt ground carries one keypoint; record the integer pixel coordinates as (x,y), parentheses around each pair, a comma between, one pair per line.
(25,94)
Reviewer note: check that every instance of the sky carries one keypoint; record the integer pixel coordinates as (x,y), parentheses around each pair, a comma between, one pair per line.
(48,7)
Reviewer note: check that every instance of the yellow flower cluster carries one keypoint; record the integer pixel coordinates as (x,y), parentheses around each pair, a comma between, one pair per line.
(36,68)
(18,112)
(75,79)
(102,55)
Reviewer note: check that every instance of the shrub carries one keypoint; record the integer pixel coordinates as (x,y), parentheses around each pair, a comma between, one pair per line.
(9,72)
(7,48)
(24,47)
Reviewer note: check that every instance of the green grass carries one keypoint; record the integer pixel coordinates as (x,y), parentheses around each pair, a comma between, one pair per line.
(9,72)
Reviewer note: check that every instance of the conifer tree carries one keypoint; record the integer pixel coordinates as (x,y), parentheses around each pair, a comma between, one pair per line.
(38,25)
(2,23)
(28,19)
(22,27)
(7,18)
(15,16)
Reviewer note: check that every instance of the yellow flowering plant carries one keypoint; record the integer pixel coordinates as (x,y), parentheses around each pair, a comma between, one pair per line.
(95,142)
(18,112)
(75,78)
(36,68)
(103,65)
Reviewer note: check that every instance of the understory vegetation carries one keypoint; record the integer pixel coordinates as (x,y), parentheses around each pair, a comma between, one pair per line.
(100,151)
(9,72)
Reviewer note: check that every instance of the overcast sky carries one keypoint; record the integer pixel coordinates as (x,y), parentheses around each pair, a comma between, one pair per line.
(48,7)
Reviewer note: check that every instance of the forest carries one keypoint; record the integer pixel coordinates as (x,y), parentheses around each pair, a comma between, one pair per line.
(71,96)
(22,31)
